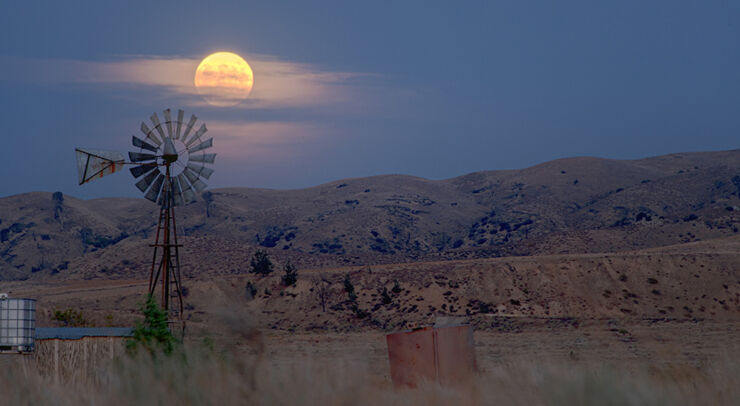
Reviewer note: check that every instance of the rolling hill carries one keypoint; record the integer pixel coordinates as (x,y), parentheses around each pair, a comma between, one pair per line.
(566,206)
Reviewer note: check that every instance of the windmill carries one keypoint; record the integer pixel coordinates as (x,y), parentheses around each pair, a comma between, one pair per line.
(168,163)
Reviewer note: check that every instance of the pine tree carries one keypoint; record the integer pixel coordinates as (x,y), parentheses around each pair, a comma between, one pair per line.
(261,264)
(291,274)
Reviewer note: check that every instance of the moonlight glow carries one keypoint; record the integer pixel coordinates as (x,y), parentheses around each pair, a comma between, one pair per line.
(224,79)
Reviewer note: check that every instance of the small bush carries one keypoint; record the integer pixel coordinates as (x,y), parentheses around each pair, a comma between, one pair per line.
(250,290)
(350,289)
(70,318)
(396,287)
(385,298)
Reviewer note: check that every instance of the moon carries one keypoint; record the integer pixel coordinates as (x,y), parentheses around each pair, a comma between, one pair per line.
(224,79)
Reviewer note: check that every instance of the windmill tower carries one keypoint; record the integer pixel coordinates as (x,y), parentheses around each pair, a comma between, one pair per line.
(169,163)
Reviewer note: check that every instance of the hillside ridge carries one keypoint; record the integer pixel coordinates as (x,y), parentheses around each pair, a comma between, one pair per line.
(569,205)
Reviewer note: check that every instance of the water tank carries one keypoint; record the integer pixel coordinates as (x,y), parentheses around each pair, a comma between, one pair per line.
(17,324)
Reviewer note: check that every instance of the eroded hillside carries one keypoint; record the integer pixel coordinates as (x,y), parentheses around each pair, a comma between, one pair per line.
(576,205)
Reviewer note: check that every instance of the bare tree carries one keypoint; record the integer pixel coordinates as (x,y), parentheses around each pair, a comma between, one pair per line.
(321,285)
(208,199)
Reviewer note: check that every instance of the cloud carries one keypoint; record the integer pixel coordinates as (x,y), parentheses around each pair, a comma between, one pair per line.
(262,140)
(277,83)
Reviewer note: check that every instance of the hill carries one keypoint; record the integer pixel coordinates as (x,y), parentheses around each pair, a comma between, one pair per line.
(574,205)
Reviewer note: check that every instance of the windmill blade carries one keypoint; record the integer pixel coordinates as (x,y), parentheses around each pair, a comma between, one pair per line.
(144,183)
(203,145)
(138,142)
(162,195)
(138,171)
(93,164)
(157,124)
(180,114)
(187,192)
(189,127)
(205,158)
(153,192)
(202,130)
(149,134)
(190,174)
(177,192)
(168,121)
(198,185)
(139,157)
(165,195)
(201,170)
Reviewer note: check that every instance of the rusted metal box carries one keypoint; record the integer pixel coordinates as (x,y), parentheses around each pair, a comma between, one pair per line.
(445,355)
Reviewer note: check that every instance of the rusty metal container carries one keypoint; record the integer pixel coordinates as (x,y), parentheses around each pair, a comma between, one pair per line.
(444,355)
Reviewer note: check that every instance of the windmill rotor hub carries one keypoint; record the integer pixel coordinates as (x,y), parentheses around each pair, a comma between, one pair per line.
(178,148)
(169,151)
(169,158)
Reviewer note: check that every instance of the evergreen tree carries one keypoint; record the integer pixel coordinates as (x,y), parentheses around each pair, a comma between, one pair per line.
(261,264)
(291,274)
(153,334)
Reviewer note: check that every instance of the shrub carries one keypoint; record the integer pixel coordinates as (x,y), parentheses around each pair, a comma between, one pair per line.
(396,287)
(350,289)
(250,290)
(385,297)
(261,264)
(70,318)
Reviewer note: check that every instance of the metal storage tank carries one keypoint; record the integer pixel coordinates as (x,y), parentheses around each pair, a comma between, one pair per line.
(17,324)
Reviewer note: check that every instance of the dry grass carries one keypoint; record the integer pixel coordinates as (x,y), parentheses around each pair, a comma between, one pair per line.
(211,378)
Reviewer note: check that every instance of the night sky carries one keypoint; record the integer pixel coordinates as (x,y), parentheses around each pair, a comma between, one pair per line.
(349,89)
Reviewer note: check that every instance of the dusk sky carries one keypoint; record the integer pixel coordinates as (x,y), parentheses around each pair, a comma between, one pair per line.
(349,89)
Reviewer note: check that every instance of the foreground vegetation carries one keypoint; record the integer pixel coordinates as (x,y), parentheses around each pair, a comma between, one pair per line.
(204,376)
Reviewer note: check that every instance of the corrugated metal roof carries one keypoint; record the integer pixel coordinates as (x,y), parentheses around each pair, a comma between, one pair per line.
(75,333)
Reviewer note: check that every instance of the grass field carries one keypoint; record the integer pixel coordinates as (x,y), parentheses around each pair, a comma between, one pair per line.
(212,377)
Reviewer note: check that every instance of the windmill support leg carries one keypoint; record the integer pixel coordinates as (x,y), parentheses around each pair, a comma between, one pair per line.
(165,269)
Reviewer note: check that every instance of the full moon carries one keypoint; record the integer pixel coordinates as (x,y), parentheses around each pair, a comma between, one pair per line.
(224,79)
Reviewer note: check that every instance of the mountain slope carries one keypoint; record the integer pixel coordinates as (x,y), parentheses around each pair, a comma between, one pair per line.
(574,205)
